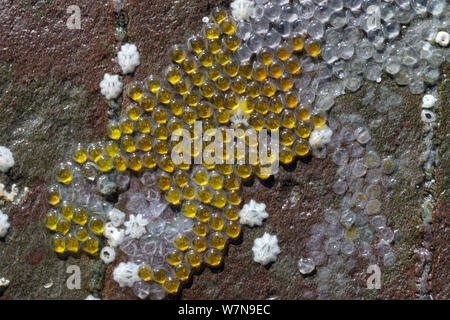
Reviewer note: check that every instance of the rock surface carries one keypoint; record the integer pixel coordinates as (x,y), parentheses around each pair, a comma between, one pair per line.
(50,99)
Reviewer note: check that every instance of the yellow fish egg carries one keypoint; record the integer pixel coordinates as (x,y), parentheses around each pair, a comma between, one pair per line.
(181,242)
(228,26)
(216,222)
(312,48)
(296,43)
(193,258)
(173,195)
(301,147)
(238,85)
(276,69)
(206,59)
(134,90)
(63,226)
(188,192)
(152,83)
(104,163)
(211,31)
(174,257)
(171,285)
(71,243)
(286,155)
(111,148)
(149,160)
(64,173)
(217,240)
(164,95)
(163,181)
(66,210)
(182,272)
(53,196)
(196,43)
(177,53)
(133,111)
(147,102)
(126,125)
(213,45)
(120,162)
(128,144)
(159,275)
(82,233)
(113,130)
(144,273)
(213,257)
(79,154)
(245,70)
(234,197)
(232,229)
(79,216)
(51,219)
(231,42)
(91,245)
(58,243)
(218,14)
(94,151)
(293,65)
(173,74)
(231,212)
(199,243)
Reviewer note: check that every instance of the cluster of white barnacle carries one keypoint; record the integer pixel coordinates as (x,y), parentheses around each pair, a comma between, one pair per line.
(128,58)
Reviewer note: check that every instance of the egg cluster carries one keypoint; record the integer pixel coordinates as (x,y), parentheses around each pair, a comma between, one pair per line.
(355,230)
(279,70)
(207,82)
(357,39)
(76,224)
(174,244)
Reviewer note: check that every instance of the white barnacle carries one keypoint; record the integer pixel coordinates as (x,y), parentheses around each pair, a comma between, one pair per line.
(4,224)
(265,249)
(6,159)
(116,217)
(428,116)
(242,9)
(135,226)
(428,101)
(253,213)
(442,38)
(125,274)
(128,57)
(320,137)
(108,255)
(111,86)
(115,236)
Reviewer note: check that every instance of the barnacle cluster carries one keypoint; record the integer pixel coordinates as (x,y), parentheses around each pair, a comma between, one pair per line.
(278,70)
